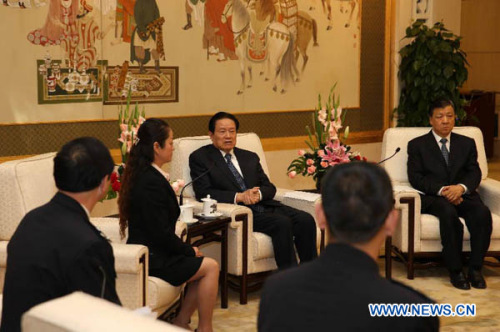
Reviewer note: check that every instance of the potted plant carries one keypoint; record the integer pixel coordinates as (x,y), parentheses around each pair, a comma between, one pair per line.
(432,66)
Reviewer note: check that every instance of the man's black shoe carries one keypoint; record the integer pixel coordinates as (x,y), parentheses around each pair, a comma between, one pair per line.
(459,281)
(476,279)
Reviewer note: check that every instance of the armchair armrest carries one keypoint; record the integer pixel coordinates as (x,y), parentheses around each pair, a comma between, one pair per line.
(280,194)
(131,265)
(303,201)
(129,257)
(181,230)
(489,190)
(110,227)
(407,233)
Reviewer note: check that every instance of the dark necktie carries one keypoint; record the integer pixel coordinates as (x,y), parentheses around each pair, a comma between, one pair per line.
(236,174)
(240,181)
(444,150)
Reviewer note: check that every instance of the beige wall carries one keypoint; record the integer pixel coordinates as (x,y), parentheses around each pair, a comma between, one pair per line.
(480,28)
(448,11)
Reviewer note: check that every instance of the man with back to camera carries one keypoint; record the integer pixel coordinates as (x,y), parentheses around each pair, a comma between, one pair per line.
(443,166)
(236,177)
(334,291)
(55,250)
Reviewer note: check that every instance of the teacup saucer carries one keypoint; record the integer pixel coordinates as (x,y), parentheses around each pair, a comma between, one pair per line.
(192,221)
(210,216)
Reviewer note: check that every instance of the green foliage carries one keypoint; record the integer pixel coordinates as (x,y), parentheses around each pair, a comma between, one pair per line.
(432,66)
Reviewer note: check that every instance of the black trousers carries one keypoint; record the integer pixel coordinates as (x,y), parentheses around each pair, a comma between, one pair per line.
(478,220)
(286,226)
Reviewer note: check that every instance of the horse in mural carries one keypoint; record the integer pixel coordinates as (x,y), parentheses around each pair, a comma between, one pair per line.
(274,45)
(327,8)
(307,29)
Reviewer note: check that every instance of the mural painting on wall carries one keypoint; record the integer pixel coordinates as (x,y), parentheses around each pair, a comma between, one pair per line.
(144,88)
(71,25)
(287,50)
(24,3)
(274,34)
(61,84)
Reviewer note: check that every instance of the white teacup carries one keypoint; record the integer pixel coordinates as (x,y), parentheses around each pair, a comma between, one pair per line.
(209,206)
(186,213)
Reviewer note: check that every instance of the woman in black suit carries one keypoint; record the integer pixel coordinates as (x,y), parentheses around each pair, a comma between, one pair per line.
(149,208)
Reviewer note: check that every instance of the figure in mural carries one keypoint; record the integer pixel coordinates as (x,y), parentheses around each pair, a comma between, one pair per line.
(59,27)
(300,24)
(279,48)
(262,13)
(218,38)
(196,8)
(23,4)
(125,22)
(146,37)
(88,33)
(307,29)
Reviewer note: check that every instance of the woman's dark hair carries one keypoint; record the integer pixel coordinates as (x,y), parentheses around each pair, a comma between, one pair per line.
(141,157)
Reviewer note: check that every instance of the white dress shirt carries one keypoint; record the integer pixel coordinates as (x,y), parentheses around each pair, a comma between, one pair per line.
(448,142)
(236,164)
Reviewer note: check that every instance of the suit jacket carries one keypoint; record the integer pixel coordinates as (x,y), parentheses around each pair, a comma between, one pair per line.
(54,252)
(220,183)
(333,293)
(427,169)
(153,214)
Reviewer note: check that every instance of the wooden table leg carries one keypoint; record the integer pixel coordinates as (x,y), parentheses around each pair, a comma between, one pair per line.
(223,246)
(388,258)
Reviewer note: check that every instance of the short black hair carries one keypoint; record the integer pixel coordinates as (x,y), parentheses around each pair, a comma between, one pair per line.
(219,116)
(81,165)
(357,198)
(440,103)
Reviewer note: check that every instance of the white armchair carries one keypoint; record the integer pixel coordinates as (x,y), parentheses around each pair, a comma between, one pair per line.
(28,183)
(79,312)
(418,234)
(250,255)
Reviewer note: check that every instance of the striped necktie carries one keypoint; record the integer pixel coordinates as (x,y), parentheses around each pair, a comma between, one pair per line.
(240,181)
(444,150)
(236,174)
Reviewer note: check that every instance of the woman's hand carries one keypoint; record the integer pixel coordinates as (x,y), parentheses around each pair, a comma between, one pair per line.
(197,252)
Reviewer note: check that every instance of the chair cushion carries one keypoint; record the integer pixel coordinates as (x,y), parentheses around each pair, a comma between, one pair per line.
(399,137)
(262,246)
(161,294)
(179,167)
(429,228)
(80,312)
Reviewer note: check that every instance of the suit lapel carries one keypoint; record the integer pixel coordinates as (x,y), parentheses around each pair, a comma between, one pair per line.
(456,153)
(164,182)
(435,149)
(244,167)
(221,164)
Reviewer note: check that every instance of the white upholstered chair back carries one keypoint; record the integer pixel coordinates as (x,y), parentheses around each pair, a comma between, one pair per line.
(179,167)
(399,137)
(24,185)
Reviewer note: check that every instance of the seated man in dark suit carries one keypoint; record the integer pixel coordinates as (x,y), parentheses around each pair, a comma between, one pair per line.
(443,166)
(334,291)
(236,176)
(55,250)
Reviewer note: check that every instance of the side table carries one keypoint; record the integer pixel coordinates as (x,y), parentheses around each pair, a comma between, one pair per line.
(207,228)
